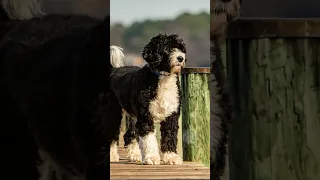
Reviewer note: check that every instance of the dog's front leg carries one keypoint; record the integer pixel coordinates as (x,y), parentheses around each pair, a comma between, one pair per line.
(131,142)
(148,141)
(114,156)
(169,139)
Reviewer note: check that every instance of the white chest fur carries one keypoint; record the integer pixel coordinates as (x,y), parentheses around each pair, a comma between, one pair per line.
(167,100)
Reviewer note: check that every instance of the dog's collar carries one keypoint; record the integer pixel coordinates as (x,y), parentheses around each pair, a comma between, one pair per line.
(159,73)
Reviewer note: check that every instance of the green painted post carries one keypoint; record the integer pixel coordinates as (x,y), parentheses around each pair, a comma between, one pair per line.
(274,76)
(196,115)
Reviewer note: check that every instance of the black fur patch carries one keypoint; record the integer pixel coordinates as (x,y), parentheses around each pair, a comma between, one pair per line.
(53,70)
(135,87)
(218,160)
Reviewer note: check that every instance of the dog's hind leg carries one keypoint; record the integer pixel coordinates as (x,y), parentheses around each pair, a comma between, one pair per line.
(169,139)
(131,141)
(114,113)
(114,156)
(148,141)
(109,115)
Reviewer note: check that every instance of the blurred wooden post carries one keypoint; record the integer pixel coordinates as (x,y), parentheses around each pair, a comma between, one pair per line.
(274,72)
(196,115)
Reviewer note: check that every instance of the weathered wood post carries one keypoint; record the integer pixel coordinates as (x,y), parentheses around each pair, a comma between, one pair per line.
(196,114)
(274,73)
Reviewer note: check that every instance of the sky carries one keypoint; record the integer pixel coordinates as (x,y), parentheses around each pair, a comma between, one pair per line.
(128,11)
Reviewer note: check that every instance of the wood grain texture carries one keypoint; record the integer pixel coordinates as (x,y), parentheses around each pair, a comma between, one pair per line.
(196,117)
(275,133)
(127,170)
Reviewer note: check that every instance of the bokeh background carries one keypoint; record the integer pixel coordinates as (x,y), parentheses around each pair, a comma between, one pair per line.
(134,23)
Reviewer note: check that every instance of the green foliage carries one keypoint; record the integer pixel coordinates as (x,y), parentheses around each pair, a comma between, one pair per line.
(140,32)
(192,22)
(194,28)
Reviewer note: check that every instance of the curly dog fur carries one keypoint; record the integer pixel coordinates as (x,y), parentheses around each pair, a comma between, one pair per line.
(54,87)
(151,94)
(222,11)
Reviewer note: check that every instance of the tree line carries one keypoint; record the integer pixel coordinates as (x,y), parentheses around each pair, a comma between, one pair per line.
(193,28)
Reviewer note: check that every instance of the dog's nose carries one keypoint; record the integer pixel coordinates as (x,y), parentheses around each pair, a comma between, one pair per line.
(180,58)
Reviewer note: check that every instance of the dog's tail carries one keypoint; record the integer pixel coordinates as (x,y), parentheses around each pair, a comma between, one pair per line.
(116,56)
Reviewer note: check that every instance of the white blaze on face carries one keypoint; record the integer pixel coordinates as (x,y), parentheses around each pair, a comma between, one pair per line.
(175,64)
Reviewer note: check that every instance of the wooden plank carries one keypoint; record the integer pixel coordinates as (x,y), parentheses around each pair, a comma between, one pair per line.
(159,177)
(130,170)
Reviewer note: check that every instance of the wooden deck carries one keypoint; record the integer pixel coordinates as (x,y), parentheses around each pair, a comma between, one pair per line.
(127,170)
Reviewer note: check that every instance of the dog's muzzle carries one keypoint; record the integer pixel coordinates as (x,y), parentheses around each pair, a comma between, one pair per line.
(178,65)
(180,58)
(180,61)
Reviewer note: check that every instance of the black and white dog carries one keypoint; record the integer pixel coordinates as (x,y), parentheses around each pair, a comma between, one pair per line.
(54,94)
(150,94)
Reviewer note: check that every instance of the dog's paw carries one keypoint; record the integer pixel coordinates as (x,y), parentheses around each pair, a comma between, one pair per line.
(149,149)
(134,157)
(152,160)
(114,157)
(133,152)
(171,158)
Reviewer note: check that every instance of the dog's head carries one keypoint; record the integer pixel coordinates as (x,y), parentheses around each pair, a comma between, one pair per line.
(166,53)
(222,11)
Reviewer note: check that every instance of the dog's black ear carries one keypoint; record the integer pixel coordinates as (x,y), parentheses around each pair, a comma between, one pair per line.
(146,54)
(152,52)
(151,56)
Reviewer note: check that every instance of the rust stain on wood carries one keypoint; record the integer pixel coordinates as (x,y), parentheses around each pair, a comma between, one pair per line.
(197,70)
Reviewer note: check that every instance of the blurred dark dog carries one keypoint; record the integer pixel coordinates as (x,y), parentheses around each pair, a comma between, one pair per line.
(221,11)
(54,93)
(150,94)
